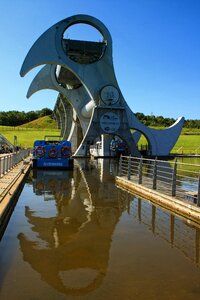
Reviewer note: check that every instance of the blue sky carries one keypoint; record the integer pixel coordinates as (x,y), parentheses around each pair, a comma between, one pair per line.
(156,51)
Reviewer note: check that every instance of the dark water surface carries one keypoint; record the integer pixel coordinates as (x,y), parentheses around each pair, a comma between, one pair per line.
(75,235)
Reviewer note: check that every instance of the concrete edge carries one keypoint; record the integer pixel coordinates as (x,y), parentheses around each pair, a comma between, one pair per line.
(8,200)
(179,207)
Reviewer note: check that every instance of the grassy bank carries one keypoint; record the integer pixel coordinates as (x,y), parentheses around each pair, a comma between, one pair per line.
(25,138)
(26,134)
(188,142)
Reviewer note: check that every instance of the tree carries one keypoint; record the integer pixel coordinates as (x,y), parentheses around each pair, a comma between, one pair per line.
(46,112)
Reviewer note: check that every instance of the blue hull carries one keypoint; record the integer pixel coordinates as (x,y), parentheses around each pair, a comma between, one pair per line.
(52,155)
(46,163)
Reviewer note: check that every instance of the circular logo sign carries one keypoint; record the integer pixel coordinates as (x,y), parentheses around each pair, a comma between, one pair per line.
(109,94)
(110,122)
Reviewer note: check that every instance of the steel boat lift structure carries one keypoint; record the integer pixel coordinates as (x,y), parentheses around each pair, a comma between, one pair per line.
(90,104)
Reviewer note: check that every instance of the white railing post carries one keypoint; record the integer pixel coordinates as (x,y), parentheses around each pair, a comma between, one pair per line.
(120,166)
(174,179)
(6,158)
(198,192)
(140,171)
(12,161)
(4,165)
(129,168)
(155,174)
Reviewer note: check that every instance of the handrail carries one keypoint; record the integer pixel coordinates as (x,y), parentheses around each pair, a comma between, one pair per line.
(8,161)
(173,178)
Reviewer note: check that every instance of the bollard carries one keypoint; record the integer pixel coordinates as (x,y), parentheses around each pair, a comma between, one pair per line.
(140,171)
(174,179)
(155,174)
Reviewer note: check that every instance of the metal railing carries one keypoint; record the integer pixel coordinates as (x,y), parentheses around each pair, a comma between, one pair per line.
(180,180)
(8,161)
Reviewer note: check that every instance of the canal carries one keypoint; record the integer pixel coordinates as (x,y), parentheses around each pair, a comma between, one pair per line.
(75,235)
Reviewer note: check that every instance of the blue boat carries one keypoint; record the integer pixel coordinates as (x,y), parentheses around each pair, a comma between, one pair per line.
(52,154)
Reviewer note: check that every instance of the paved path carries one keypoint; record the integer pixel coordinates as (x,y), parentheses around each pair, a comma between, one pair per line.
(10,184)
(8,179)
(184,208)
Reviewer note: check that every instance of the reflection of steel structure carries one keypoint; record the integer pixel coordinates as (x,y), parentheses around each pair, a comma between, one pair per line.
(90,104)
(74,239)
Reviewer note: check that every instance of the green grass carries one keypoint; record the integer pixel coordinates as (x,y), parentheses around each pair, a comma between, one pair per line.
(41,123)
(185,131)
(26,134)
(26,138)
(188,142)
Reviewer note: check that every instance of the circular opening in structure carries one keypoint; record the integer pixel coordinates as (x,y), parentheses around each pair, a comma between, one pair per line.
(83,43)
(83,32)
(66,78)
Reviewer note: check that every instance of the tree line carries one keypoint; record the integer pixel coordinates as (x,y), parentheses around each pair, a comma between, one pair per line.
(16,118)
(151,120)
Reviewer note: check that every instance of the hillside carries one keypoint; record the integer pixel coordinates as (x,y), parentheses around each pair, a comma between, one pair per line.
(44,122)
(27,133)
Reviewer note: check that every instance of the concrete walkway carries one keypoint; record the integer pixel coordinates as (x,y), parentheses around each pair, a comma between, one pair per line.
(180,207)
(10,185)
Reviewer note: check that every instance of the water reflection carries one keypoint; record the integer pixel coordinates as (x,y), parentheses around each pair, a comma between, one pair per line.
(72,223)
(71,251)
(181,234)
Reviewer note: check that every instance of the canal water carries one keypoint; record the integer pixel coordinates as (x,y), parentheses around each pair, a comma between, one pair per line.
(75,235)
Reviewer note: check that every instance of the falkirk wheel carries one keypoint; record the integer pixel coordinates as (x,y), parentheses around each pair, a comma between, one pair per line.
(90,105)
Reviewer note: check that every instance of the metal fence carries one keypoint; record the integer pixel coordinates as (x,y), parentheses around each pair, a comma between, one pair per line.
(180,180)
(8,161)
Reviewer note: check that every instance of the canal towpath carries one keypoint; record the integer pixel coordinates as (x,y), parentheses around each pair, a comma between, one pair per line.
(10,185)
